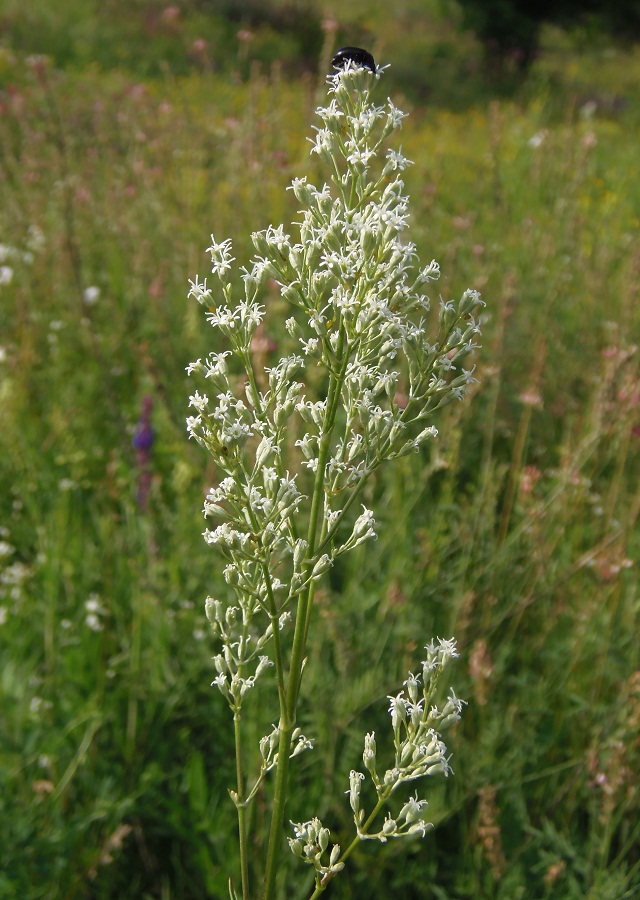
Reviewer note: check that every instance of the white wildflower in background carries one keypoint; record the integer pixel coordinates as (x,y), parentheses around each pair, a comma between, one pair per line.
(95,613)
(91,295)
(93,604)
(36,240)
(13,576)
(93,622)
(14,255)
(37,705)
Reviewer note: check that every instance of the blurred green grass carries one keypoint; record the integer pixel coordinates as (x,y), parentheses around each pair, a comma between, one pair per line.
(519,534)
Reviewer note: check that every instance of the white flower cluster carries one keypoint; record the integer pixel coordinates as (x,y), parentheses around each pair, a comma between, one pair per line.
(268,746)
(360,327)
(310,843)
(419,751)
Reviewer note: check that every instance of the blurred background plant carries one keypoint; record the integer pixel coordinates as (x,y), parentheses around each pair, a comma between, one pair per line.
(128,132)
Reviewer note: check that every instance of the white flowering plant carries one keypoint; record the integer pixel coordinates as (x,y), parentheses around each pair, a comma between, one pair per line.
(296,442)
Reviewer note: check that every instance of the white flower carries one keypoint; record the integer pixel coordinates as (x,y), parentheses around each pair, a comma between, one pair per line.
(200,291)
(91,295)
(355,786)
(412,810)
(396,161)
(365,526)
(220,256)
(537,139)
(93,622)
(216,364)
(397,710)
(93,605)
(395,115)
(199,402)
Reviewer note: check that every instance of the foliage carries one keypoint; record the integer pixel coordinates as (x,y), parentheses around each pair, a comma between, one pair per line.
(518,532)
(510,29)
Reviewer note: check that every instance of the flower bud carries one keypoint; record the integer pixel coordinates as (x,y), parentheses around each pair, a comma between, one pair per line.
(408,751)
(469,300)
(264,452)
(213,610)
(220,664)
(250,286)
(291,293)
(323,839)
(369,754)
(297,846)
(263,663)
(302,191)
(355,786)
(293,328)
(390,826)
(322,565)
(412,810)
(260,242)
(299,551)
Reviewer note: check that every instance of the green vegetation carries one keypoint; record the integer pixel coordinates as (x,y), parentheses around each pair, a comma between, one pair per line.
(518,533)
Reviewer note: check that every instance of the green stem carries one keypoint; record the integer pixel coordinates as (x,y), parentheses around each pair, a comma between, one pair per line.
(305,602)
(288,703)
(304,607)
(514,472)
(277,813)
(277,648)
(242,809)
(134,671)
(273,615)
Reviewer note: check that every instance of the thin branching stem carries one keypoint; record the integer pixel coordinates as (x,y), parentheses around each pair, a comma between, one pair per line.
(241,808)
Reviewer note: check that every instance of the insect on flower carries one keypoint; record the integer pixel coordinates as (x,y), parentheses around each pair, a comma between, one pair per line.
(356,55)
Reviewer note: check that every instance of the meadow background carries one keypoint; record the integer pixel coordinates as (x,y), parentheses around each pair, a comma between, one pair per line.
(131,131)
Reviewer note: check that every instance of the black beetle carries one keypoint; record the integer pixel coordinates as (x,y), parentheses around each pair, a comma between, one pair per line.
(357,55)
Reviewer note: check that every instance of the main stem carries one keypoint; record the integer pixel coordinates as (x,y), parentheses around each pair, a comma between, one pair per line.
(277,813)
(289,706)
(242,810)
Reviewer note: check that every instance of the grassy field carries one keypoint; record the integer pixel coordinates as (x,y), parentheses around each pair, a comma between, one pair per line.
(518,533)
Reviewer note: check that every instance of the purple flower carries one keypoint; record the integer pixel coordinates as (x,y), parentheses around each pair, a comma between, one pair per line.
(142,441)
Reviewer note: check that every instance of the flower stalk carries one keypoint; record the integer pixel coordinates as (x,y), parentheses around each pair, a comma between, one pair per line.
(293,461)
